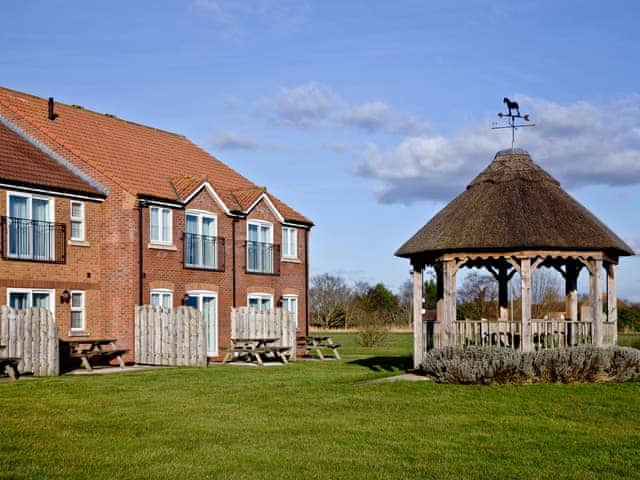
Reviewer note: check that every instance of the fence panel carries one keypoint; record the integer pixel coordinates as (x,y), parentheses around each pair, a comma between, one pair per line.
(32,335)
(175,337)
(254,323)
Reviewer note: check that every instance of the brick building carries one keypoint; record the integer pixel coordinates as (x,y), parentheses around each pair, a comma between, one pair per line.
(100,214)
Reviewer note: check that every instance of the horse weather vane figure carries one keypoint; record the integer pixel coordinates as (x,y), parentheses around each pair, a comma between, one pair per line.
(513,119)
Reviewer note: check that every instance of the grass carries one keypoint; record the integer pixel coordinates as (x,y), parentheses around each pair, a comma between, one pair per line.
(314,420)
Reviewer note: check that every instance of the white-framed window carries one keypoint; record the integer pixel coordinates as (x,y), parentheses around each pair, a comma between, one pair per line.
(21,298)
(77,220)
(260,246)
(200,239)
(162,297)
(77,310)
(290,304)
(160,225)
(289,242)
(260,301)
(30,227)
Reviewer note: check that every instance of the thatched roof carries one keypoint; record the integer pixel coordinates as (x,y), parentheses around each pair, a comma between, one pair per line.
(513,204)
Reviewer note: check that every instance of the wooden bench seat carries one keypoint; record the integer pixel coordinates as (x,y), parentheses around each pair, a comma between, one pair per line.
(10,366)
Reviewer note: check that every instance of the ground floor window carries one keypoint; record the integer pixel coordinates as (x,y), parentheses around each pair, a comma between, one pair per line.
(21,298)
(162,298)
(260,301)
(77,310)
(290,304)
(207,303)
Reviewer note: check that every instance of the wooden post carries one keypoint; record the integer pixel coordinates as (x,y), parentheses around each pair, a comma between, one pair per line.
(525,296)
(418,334)
(503,294)
(439,340)
(595,293)
(449,294)
(571,290)
(612,302)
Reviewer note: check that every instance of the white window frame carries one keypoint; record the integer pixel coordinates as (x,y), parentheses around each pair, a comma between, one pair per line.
(262,223)
(162,292)
(82,309)
(29,196)
(293,234)
(201,214)
(199,294)
(160,241)
(79,220)
(260,296)
(287,299)
(31,291)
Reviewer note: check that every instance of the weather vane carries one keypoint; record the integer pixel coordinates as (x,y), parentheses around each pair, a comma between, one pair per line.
(512,119)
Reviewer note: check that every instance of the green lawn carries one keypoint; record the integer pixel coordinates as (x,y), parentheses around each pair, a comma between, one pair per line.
(313,420)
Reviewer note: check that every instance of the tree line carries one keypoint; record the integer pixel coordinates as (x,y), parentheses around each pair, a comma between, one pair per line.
(336,303)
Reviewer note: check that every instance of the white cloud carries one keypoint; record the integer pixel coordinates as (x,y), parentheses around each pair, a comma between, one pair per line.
(283,16)
(377,116)
(581,144)
(314,105)
(304,106)
(239,141)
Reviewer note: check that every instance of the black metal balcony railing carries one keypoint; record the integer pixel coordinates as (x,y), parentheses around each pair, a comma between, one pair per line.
(33,240)
(203,252)
(263,258)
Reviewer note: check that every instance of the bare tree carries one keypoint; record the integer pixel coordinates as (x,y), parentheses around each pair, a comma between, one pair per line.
(479,292)
(546,293)
(330,300)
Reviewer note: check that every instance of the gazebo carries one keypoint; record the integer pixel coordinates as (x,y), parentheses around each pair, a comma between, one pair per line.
(513,218)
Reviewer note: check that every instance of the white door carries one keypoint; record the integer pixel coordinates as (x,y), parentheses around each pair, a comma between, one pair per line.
(207,303)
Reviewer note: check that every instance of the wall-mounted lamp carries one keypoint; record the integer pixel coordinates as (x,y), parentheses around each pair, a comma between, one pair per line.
(65,297)
(185,299)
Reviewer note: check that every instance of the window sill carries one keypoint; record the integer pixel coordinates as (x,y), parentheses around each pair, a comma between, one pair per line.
(79,333)
(291,260)
(161,246)
(79,243)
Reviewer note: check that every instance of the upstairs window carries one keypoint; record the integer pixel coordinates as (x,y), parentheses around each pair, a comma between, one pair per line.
(289,242)
(31,233)
(260,249)
(77,221)
(160,225)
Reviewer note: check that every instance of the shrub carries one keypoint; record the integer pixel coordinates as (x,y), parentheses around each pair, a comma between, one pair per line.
(478,365)
(373,334)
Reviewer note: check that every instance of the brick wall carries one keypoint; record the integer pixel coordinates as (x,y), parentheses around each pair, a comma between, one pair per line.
(106,266)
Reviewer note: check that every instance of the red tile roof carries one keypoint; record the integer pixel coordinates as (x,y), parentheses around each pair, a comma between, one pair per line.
(142,160)
(23,163)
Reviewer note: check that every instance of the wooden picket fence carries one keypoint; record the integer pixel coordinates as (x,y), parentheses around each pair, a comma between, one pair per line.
(254,323)
(32,335)
(175,337)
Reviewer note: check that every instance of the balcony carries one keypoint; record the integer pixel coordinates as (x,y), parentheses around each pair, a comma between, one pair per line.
(33,240)
(263,258)
(203,252)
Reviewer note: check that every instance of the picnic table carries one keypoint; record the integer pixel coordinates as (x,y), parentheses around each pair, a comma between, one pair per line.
(9,365)
(254,348)
(91,350)
(319,342)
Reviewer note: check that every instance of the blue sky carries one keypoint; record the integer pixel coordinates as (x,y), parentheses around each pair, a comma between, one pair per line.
(364,115)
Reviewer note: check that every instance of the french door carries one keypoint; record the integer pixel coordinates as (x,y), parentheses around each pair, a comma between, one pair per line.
(207,303)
